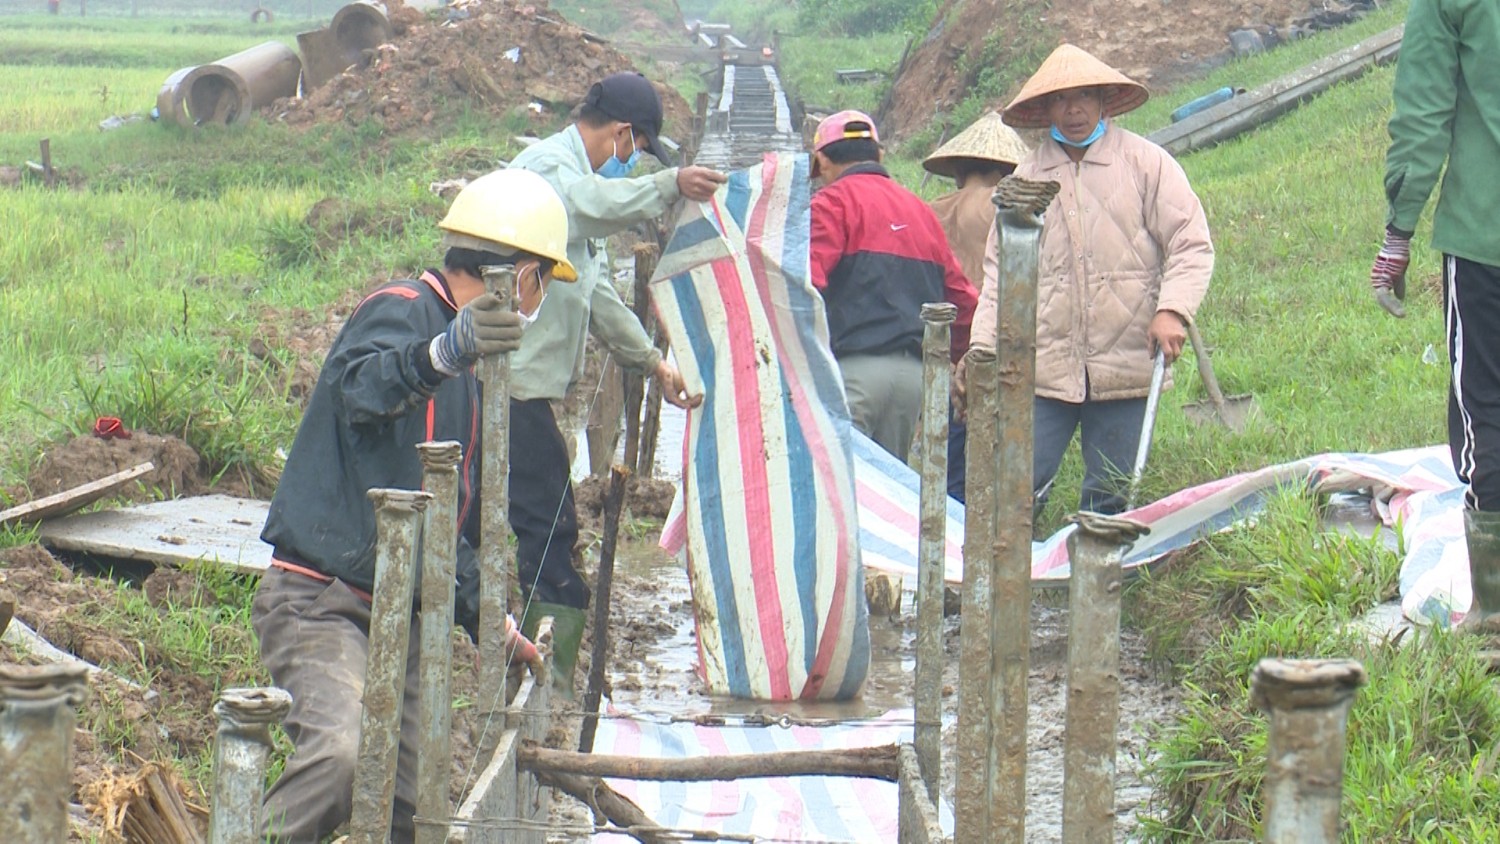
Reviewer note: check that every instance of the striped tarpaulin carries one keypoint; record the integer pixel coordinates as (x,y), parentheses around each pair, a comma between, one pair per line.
(769,522)
(841,810)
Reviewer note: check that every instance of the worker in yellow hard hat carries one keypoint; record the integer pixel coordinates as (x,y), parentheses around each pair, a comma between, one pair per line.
(399,373)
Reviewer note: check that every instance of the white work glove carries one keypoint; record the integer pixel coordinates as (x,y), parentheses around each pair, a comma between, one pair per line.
(483,327)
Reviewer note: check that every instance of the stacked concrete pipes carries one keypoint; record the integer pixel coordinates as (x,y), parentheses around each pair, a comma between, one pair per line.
(228,90)
(1307,701)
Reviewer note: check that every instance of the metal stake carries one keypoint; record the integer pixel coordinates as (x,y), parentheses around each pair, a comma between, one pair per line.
(931,556)
(971,753)
(494,524)
(645,266)
(1308,701)
(439,564)
(613,503)
(1020,204)
(1096,549)
(36,750)
(397,518)
(242,746)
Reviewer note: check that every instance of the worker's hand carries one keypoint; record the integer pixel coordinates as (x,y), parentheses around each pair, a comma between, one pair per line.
(1388,275)
(673,388)
(960,395)
(699,183)
(483,327)
(520,649)
(1167,332)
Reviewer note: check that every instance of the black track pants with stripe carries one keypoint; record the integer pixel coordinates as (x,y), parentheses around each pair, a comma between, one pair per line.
(1471,297)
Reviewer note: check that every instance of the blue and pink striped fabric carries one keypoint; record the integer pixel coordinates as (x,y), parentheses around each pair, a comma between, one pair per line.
(770,527)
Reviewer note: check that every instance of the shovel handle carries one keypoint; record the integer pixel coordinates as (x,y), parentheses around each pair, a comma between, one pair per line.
(1148,426)
(1206,370)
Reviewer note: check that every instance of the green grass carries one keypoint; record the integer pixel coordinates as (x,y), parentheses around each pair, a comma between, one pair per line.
(808,66)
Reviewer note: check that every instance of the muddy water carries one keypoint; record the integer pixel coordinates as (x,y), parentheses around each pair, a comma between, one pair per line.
(653,673)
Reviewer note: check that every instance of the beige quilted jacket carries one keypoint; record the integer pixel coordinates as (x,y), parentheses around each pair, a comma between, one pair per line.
(1125,238)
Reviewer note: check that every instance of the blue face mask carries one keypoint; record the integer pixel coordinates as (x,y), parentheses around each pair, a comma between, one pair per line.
(1095,135)
(613,167)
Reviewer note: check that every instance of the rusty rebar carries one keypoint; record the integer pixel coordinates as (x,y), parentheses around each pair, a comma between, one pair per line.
(971,752)
(242,746)
(37,706)
(614,502)
(1095,551)
(1019,223)
(494,524)
(397,518)
(439,566)
(937,319)
(1308,702)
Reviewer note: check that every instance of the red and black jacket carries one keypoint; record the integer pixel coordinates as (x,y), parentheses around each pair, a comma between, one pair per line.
(878,255)
(377,397)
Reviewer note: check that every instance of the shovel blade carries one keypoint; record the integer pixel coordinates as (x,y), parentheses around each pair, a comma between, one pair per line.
(1236,415)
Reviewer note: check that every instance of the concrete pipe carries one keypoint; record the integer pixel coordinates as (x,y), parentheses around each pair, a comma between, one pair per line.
(226,91)
(321,59)
(358,27)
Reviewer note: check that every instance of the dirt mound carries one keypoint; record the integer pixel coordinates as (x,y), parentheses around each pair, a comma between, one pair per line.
(1148,41)
(500,57)
(645,498)
(88,458)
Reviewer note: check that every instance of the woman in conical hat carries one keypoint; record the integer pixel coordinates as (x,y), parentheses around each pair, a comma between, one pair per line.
(1125,261)
(976,159)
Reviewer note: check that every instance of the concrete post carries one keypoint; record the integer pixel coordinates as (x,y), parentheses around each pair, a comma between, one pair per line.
(36,750)
(439,563)
(494,524)
(1093,709)
(397,517)
(972,808)
(242,747)
(1019,220)
(1308,702)
(936,370)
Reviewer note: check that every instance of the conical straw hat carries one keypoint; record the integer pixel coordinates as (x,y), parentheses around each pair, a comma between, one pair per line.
(1071,67)
(987,139)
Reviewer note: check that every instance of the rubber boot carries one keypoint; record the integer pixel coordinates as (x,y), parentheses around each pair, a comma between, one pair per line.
(567,636)
(1483,618)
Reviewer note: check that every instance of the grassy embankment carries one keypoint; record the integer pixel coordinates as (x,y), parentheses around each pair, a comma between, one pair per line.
(1296,212)
(92,315)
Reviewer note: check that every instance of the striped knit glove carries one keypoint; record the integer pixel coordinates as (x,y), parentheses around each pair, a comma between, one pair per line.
(483,327)
(1388,275)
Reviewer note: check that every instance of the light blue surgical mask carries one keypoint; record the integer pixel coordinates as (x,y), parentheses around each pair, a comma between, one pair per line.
(1095,135)
(613,167)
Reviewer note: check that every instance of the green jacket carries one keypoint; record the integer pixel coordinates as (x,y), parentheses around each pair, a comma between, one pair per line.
(1448,107)
(551,356)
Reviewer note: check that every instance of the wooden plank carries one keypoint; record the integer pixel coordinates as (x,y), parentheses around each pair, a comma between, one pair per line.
(69,500)
(1247,111)
(214,528)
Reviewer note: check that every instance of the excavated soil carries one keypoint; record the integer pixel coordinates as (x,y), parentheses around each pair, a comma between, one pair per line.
(1155,42)
(500,57)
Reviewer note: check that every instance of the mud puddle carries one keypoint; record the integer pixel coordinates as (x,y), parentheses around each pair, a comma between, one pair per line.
(653,674)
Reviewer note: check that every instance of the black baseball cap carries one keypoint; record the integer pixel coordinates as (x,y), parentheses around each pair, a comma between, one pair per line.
(631,98)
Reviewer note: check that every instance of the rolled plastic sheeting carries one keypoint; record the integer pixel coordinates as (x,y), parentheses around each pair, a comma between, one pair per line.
(226,91)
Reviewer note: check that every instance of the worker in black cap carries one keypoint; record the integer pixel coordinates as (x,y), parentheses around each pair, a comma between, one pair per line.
(589,163)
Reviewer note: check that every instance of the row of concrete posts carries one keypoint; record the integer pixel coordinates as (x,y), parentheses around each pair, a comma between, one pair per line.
(1308,701)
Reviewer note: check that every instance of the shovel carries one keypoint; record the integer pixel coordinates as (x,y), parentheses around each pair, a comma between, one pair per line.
(1148,425)
(1231,412)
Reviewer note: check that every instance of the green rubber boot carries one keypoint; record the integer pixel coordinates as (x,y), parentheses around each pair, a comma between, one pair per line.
(567,636)
(1483,532)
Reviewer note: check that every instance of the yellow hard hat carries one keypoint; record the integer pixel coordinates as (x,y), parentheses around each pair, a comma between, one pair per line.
(508,211)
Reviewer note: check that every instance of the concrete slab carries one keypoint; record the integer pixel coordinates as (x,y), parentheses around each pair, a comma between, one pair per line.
(216,528)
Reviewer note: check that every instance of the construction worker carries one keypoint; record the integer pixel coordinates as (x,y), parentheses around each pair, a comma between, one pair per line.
(589,165)
(1125,260)
(878,255)
(1447,108)
(399,373)
(976,159)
